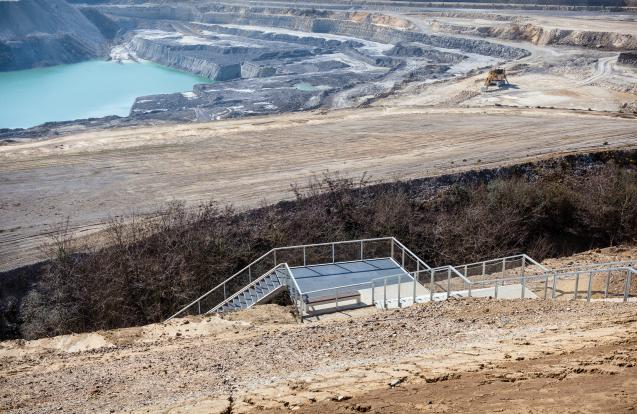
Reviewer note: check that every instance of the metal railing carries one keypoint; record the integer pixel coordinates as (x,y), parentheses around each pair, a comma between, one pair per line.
(302,255)
(441,282)
(396,288)
(252,284)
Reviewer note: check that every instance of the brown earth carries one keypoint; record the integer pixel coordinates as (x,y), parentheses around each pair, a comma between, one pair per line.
(94,176)
(472,355)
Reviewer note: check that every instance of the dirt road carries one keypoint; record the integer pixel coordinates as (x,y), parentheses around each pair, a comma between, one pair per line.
(92,177)
(472,355)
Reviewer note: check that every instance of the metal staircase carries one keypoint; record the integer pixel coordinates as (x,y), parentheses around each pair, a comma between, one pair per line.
(261,290)
(511,277)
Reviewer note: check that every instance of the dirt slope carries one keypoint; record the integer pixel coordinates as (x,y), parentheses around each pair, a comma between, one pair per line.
(473,355)
(92,177)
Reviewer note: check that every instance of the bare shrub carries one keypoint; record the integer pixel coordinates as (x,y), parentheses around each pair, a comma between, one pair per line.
(153,266)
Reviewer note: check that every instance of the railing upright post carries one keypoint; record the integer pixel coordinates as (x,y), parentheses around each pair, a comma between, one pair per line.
(337,298)
(225,295)
(495,293)
(607,284)
(398,304)
(373,293)
(546,285)
(392,248)
(198,307)
(504,267)
(414,300)
(553,294)
(464,273)
(431,286)
(250,273)
(484,268)
(403,259)
(275,263)
(576,285)
(448,283)
(627,285)
(304,257)
(333,254)
(523,279)
(590,286)
(385,293)
(362,250)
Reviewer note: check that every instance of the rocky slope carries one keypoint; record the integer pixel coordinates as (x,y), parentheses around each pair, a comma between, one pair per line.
(37,33)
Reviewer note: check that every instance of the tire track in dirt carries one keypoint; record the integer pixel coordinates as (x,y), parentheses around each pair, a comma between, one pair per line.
(91,177)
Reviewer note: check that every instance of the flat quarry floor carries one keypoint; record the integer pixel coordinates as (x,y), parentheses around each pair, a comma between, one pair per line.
(469,355)
(92,177)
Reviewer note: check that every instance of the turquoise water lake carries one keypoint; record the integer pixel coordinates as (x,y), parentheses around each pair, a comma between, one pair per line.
(83,90)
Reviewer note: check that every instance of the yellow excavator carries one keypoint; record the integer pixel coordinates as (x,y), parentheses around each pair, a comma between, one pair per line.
(495,77)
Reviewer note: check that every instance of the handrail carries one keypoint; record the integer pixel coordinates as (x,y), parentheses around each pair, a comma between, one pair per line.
(331,243)
(296,285)
(254,282)
(499,259)
(447,267)
(530,259)
(272,251)
(221,284)
(402,246)
(596,266)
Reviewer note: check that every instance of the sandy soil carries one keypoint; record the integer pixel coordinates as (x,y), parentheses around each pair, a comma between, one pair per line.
(92,177)
(471,355)
(439,357)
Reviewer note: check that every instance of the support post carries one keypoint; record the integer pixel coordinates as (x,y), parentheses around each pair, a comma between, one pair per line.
(576,285)
(198,307)
(333,254)
(362,250)
(336,298)
(554,285)
(403,259)
(373,293)
(398,304)
(275,263)
(607,284)
(546,285)
(385,293)
(431,286)
(590,286)
(504,267)
(484,268)
(414,300)
(495,293)
(304,257)
(470,286)
(627,285)
(224,292)
(392,248)
(523,279)
(448,282)
(250,273)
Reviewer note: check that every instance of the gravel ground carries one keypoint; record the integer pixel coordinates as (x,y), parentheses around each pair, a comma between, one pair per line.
(244,364)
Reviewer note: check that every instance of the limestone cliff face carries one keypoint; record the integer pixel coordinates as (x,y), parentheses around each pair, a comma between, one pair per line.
(367,31)
(37,33)
(547,36)
(167,55)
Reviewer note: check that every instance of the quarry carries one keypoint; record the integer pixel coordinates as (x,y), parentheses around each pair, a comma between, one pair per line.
(377,206)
